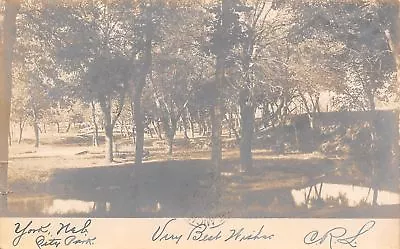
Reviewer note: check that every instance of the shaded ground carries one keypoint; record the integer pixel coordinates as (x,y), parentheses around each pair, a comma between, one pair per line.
(66,177)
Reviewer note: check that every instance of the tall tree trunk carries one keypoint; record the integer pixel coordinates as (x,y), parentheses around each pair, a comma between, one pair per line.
(121,128)
(185,126)
(371,99)
(21,129)
(202,128)
(109,143)
(96,127)
(247,130)
(170,130)
(170,138)
(229,120)
(231,124)
(375,165)
(58,127)
(157,128)
(216,133)
(138,89)
(149,131)
(170,145)
(216,117)
(36,127)
(139,119)
(68,127)
(105,104)
(133,122)
(9,138)
(216,109)
(6,51)
(191,126)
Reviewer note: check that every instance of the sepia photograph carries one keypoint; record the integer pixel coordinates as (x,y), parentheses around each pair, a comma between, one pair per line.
(200,108)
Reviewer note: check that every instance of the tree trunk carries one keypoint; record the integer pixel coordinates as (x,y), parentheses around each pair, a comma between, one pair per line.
(96,128)
(9,138)
(6,51)
(247,130)
(36,127)
(170,130)
(139,119)
(170,144)
(36,131)
(109,143)
(216,109)
(121,129)
(133,122)
(228,119)
(232,127)
(185,126)
(191,126)
(21,129)
(216,132)
(202,128)
(138,89)
(157,128)
(371,100)
(133,134)
(126,128)
(105,104)
(150,132)
(216,120)
(68,127)
(58,127)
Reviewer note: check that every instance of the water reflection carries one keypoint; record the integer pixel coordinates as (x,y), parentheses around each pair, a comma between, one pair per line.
(286,202)
(50,206)
(341,195)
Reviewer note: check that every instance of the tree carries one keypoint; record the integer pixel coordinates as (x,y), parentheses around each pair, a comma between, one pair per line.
(36,65)
(20,103)
(225,34)
(176,70)
(101,59)
(264,27)
(117,72)
(148,19)
(7,41)
(365,58)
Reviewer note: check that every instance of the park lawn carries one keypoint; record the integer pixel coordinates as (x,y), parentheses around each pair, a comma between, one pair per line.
(30,166)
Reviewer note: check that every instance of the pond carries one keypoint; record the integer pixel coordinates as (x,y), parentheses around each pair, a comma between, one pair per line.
(304,202)
(342,194)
